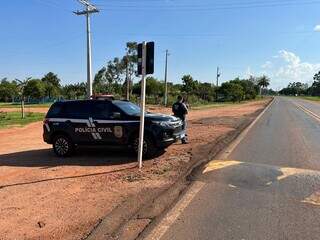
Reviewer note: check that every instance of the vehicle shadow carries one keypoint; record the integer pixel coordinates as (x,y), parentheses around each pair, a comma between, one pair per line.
(84,156)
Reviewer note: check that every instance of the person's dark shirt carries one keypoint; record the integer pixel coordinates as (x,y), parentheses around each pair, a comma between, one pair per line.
(180,110)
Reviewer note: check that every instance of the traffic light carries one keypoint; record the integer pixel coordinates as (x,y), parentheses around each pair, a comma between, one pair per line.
(149,58)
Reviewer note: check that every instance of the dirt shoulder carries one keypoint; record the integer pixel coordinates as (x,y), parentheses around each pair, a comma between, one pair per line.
(44,197)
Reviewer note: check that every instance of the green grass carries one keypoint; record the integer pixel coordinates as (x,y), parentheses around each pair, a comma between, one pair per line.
(311,98)
(224,104)
(10,119)
(17,105)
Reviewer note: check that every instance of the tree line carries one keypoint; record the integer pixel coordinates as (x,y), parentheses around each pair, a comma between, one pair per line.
(119,78)
(299,88)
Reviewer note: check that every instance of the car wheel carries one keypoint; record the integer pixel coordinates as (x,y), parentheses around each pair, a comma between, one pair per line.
(149,148)
(62,146)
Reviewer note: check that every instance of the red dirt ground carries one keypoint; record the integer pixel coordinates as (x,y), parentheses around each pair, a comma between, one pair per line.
(44,197)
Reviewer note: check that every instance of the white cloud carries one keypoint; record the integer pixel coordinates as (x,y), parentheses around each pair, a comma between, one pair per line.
(266,65)
(248,73)
(317,28)
(293,69)
(288,67)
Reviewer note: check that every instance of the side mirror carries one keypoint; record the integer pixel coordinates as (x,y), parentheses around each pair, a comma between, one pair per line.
(116,115)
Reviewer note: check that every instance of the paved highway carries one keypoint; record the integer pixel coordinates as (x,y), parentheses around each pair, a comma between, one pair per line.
(266,187)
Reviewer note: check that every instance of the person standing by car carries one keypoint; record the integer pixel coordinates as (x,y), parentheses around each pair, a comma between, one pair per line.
(180,110)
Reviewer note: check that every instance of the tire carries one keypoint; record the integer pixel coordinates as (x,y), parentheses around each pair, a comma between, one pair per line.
(149,148)
(62,146)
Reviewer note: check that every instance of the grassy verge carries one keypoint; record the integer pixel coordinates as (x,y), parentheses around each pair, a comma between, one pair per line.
(311,98)
(10,119)
(225,104)
(17,105)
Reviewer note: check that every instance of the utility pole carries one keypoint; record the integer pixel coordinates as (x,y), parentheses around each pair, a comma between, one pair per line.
(218,76)
(89,9)
(217,85)
(166,80)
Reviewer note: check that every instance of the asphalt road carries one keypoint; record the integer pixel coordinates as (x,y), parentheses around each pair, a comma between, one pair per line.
(267,188)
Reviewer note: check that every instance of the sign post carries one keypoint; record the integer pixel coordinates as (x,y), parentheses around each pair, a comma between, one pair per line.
(145,66)
(143,102)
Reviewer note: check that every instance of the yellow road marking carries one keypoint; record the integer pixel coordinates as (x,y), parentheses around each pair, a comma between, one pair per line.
(287,172)
(219,164)
(307,111)
(313,199)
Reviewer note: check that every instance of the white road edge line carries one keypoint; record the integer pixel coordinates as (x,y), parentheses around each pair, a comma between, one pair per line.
(307,111)
(171,216)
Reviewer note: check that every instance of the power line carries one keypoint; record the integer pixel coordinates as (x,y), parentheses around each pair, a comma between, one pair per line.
(208,7)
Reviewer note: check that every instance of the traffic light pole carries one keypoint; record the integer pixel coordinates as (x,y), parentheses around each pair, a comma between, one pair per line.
(142,104)
(166,80)
(127,78)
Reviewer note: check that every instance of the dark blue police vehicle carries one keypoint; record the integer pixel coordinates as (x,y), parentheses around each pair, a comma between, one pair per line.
(106,122)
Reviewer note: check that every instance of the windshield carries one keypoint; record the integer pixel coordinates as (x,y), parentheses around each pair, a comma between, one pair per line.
(128,107)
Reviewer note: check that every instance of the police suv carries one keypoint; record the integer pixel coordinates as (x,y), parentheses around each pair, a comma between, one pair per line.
(107,122)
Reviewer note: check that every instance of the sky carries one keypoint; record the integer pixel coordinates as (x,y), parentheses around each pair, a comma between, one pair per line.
(279,38)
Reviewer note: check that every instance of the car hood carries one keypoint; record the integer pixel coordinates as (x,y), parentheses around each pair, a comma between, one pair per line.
(160,117)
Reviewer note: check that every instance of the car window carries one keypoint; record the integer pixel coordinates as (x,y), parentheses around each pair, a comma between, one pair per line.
(76,110)
(128,107)
(55,111)
(101,110)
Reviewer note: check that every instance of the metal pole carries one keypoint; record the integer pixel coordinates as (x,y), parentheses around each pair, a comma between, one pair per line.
(127,77)
(89,60)
(143,103)
(166,81)
(217,85)
(218,76)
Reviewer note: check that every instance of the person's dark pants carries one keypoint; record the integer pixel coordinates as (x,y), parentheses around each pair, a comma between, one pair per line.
(184,128)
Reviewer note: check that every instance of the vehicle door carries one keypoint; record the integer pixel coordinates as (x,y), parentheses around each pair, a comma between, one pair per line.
(104,120)
(76,119)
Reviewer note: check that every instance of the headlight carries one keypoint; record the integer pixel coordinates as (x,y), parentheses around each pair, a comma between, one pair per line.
(162,124)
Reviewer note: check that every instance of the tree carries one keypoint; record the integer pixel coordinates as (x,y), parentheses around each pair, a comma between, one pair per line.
(116,72)
(154,87)
(21,90)
(189,84)
(263,82)
(314,90)
(35,89)
(8,90)
(51,85)
(109,77)
(249,87)
(232,91)
(206,91)
(130,63)
(74,91)
(99,82)
(295,88)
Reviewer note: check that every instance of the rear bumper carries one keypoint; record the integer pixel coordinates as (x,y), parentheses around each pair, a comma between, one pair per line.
(46,135)
(46,138)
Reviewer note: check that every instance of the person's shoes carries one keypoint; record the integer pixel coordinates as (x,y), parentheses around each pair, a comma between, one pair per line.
(184,142)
